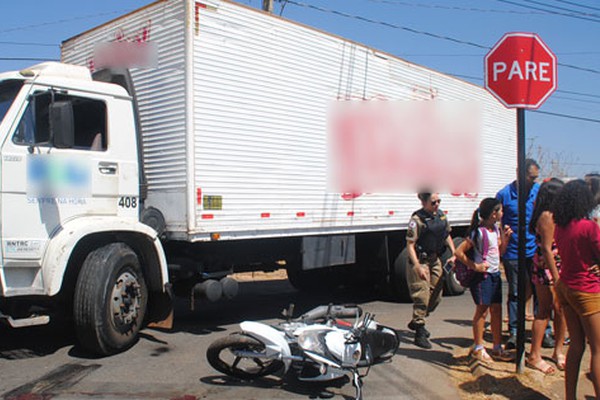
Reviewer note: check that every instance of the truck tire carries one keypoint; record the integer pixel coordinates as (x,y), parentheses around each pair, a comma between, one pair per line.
(451,286)
(398,283)
(110,300)
(312,281)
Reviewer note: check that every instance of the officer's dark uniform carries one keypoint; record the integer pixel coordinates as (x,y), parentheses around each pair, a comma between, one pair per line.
(429,232)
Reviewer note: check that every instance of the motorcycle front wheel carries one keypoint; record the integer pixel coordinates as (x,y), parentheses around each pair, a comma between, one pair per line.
(223,356)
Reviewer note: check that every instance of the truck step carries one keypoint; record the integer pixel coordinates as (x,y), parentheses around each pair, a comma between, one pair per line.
(24,322)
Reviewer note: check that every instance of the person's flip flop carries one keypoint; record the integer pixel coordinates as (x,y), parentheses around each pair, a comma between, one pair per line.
(560,362)
(541,366)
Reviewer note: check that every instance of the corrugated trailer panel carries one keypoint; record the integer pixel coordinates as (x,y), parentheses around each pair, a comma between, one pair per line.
(159,90)
(260,89)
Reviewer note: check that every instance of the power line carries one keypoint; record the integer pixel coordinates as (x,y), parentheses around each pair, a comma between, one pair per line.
(583,164)
(562,8)
(454,8)
(61,21)
(27,59)
(548,11)
(476,78)
(584,69)
(388,24)
(29,44)
(567,116)
(580,94)
(587,101)
(577,4)
(419,32)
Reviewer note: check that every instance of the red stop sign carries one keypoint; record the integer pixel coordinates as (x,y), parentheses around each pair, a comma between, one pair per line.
(520,70)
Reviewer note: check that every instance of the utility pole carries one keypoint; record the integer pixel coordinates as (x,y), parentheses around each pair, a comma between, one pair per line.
(268,6)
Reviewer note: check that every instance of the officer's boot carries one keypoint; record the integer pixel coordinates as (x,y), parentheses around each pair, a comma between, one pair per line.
(421,337)
(413,327)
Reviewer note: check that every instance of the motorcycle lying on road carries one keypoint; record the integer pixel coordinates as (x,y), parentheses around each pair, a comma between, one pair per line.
(318,346)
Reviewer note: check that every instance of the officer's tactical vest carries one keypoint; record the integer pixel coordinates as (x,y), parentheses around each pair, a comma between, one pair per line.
(432,239)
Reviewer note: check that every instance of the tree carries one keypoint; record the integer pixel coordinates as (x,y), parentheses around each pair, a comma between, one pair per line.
(552,164)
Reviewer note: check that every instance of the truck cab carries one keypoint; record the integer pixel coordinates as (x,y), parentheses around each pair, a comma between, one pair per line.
(69,188)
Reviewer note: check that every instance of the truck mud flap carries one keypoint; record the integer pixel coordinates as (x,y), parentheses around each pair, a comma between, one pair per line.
(161,309)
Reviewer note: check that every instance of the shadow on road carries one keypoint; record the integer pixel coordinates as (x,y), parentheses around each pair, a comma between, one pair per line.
(288,383)
(259,300)
(488,386)
(37,341)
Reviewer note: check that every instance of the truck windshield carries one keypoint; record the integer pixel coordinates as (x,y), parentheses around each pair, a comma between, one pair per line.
(8,92)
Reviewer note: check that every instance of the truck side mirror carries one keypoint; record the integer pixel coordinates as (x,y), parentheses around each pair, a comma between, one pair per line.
(62,125)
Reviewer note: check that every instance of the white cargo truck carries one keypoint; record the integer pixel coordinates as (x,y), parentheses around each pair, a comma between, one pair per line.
(210,158)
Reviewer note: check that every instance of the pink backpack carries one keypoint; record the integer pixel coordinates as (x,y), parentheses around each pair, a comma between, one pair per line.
(465,275)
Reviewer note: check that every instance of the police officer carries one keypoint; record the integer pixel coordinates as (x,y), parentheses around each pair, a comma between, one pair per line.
(427,236)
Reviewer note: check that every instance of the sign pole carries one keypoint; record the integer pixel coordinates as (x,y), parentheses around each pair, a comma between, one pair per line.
(522,232)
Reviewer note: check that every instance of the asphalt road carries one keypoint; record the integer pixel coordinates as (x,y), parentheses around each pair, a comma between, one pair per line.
(44,363)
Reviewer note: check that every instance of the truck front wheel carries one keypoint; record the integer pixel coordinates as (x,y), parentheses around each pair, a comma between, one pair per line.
(110,300)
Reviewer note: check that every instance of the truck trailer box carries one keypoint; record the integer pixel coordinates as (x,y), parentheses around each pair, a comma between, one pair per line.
(234,118)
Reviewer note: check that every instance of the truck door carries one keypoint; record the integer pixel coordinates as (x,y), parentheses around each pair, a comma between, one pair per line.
(46,182)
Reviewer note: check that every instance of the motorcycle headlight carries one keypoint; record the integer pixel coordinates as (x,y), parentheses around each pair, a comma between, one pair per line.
(312,341)
(352,354)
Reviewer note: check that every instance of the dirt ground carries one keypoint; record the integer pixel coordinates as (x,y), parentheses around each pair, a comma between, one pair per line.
(499,380)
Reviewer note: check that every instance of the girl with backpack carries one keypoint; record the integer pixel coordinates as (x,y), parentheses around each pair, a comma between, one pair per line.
(481,252)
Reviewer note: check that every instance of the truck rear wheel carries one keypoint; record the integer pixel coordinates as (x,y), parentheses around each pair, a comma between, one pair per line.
(451,286)
(398,284)
(312,281)
(110,300)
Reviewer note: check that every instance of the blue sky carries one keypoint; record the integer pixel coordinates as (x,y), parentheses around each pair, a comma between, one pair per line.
(445,35)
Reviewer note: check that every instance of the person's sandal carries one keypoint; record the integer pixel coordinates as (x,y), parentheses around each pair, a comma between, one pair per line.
(541,366)
(481,355)
(560,361)
(502,355)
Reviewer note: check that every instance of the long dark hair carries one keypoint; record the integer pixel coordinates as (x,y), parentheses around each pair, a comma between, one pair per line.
(593,181)
(573,202)
(486,208)
(544,200)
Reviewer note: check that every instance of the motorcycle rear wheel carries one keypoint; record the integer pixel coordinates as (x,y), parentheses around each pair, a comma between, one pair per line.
(221,356)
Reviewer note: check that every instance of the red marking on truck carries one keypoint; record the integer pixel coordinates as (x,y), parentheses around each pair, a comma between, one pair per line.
(467,195)
(300,214)
(351,196)
(351,213)
(265,215)
(390,212)
(197,8)
(207,216)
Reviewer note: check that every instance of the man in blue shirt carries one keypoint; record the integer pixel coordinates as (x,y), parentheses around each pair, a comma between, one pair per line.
(510,204)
